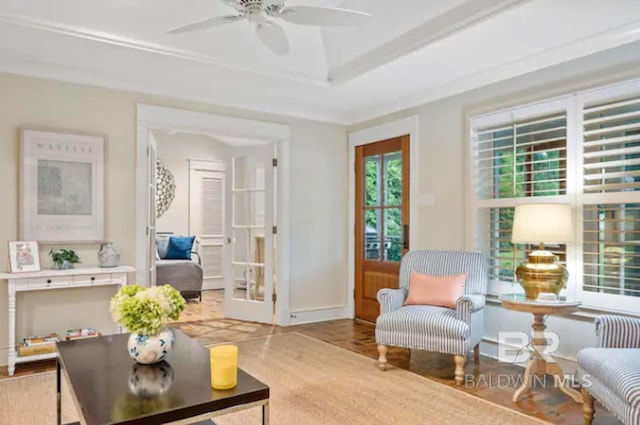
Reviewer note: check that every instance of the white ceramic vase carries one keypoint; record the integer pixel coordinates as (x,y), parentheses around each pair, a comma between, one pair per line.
(149,349)
(109,255)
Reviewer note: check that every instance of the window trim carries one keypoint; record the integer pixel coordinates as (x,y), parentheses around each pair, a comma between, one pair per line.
(573,104)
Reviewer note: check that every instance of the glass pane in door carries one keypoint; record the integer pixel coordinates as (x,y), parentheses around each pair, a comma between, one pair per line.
(372,234)
(383,207)
(393,179)
(372,187)
(393,234)
(248,228)
(240,275)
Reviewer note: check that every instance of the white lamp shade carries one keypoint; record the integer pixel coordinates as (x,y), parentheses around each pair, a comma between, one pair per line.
(548,223)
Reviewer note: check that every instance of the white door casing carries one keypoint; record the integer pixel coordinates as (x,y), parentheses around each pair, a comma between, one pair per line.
(151,228)
(207,219)
(235,131)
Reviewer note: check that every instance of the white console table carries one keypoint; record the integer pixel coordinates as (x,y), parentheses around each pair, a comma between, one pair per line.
(54,279)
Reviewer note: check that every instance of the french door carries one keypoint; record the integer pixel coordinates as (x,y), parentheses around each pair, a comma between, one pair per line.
(249,286)
(382,220)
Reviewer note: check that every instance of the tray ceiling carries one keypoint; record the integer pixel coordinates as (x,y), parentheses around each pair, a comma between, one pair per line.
(410,52)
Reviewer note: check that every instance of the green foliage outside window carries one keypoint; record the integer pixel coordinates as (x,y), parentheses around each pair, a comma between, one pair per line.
(535,173)
(392,166)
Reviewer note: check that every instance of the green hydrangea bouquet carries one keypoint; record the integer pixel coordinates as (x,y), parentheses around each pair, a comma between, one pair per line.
(146,311)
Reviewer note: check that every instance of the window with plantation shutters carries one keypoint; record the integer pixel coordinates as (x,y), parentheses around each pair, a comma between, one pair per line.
(516,157)
(611,196)
(611,146)
(583,150)
(524,158)
(611,253)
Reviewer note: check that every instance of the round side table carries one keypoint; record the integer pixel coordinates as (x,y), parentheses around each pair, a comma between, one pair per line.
(538,364)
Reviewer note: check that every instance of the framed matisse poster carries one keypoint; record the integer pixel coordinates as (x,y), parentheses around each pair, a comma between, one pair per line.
(61,186)
(24,257)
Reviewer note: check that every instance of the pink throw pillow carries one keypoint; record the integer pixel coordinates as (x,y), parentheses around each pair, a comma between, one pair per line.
(442,291)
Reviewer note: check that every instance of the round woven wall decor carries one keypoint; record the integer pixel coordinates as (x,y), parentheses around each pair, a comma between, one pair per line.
(165,188)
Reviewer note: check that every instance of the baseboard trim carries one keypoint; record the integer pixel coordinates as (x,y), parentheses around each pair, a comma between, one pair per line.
(322,314)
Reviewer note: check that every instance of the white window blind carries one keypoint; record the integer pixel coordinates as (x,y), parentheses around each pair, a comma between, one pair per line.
(611,200)
(516,158)
(612,146)
(523,158)
(611,240)
(582,150)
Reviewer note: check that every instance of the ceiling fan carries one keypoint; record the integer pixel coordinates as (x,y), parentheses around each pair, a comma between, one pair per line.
(265,13)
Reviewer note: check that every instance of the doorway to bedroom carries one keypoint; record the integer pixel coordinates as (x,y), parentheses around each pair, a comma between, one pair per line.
(215,215)
(211,205)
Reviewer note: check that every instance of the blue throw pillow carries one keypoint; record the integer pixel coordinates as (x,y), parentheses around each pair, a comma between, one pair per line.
(180,247)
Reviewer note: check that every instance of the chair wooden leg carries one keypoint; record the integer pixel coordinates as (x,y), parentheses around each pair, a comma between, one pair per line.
(587,407)
(460,361)
(476,354)
(382,360)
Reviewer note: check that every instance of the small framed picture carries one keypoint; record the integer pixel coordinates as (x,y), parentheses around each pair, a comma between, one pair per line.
(24,257)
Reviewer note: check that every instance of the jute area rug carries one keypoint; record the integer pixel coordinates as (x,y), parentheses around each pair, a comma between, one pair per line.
(311,382)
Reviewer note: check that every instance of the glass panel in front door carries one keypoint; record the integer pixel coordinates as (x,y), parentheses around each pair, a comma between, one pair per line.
(383,207)
(248,229)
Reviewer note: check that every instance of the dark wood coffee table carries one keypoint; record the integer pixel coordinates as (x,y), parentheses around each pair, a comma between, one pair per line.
(108,387)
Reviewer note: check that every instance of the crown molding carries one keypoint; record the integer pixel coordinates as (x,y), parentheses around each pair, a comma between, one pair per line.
(114,82)
(131,43)
(569,51)
(468,13)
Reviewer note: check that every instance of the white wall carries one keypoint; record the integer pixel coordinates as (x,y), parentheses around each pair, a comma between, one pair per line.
(318,228)
(319,213)
(442,170)
(175,151)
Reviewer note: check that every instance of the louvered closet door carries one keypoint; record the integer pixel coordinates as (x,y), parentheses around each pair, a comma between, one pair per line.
(207,224)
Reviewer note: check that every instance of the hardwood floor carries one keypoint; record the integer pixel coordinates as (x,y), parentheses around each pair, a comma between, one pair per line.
(489,380)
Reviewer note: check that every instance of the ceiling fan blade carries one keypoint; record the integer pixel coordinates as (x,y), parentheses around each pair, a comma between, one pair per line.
(233,3)
(273,36)
(329,16)
(205,23)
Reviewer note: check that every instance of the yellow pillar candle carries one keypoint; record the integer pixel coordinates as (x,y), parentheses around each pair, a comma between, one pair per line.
(224,367)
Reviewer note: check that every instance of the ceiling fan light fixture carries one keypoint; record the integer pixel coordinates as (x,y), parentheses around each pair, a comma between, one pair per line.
(260,12)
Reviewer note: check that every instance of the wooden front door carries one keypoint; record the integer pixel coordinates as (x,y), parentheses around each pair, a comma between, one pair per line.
(382,220)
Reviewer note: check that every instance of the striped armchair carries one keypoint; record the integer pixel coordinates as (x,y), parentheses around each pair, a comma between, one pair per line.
(432,328)
(611,372)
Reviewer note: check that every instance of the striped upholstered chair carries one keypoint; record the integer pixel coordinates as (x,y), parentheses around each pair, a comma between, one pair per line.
(611,372)
(432,328)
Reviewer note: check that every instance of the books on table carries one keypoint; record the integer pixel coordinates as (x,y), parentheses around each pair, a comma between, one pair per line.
(45,344)
(48,339)
(40,344)
(82,333)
